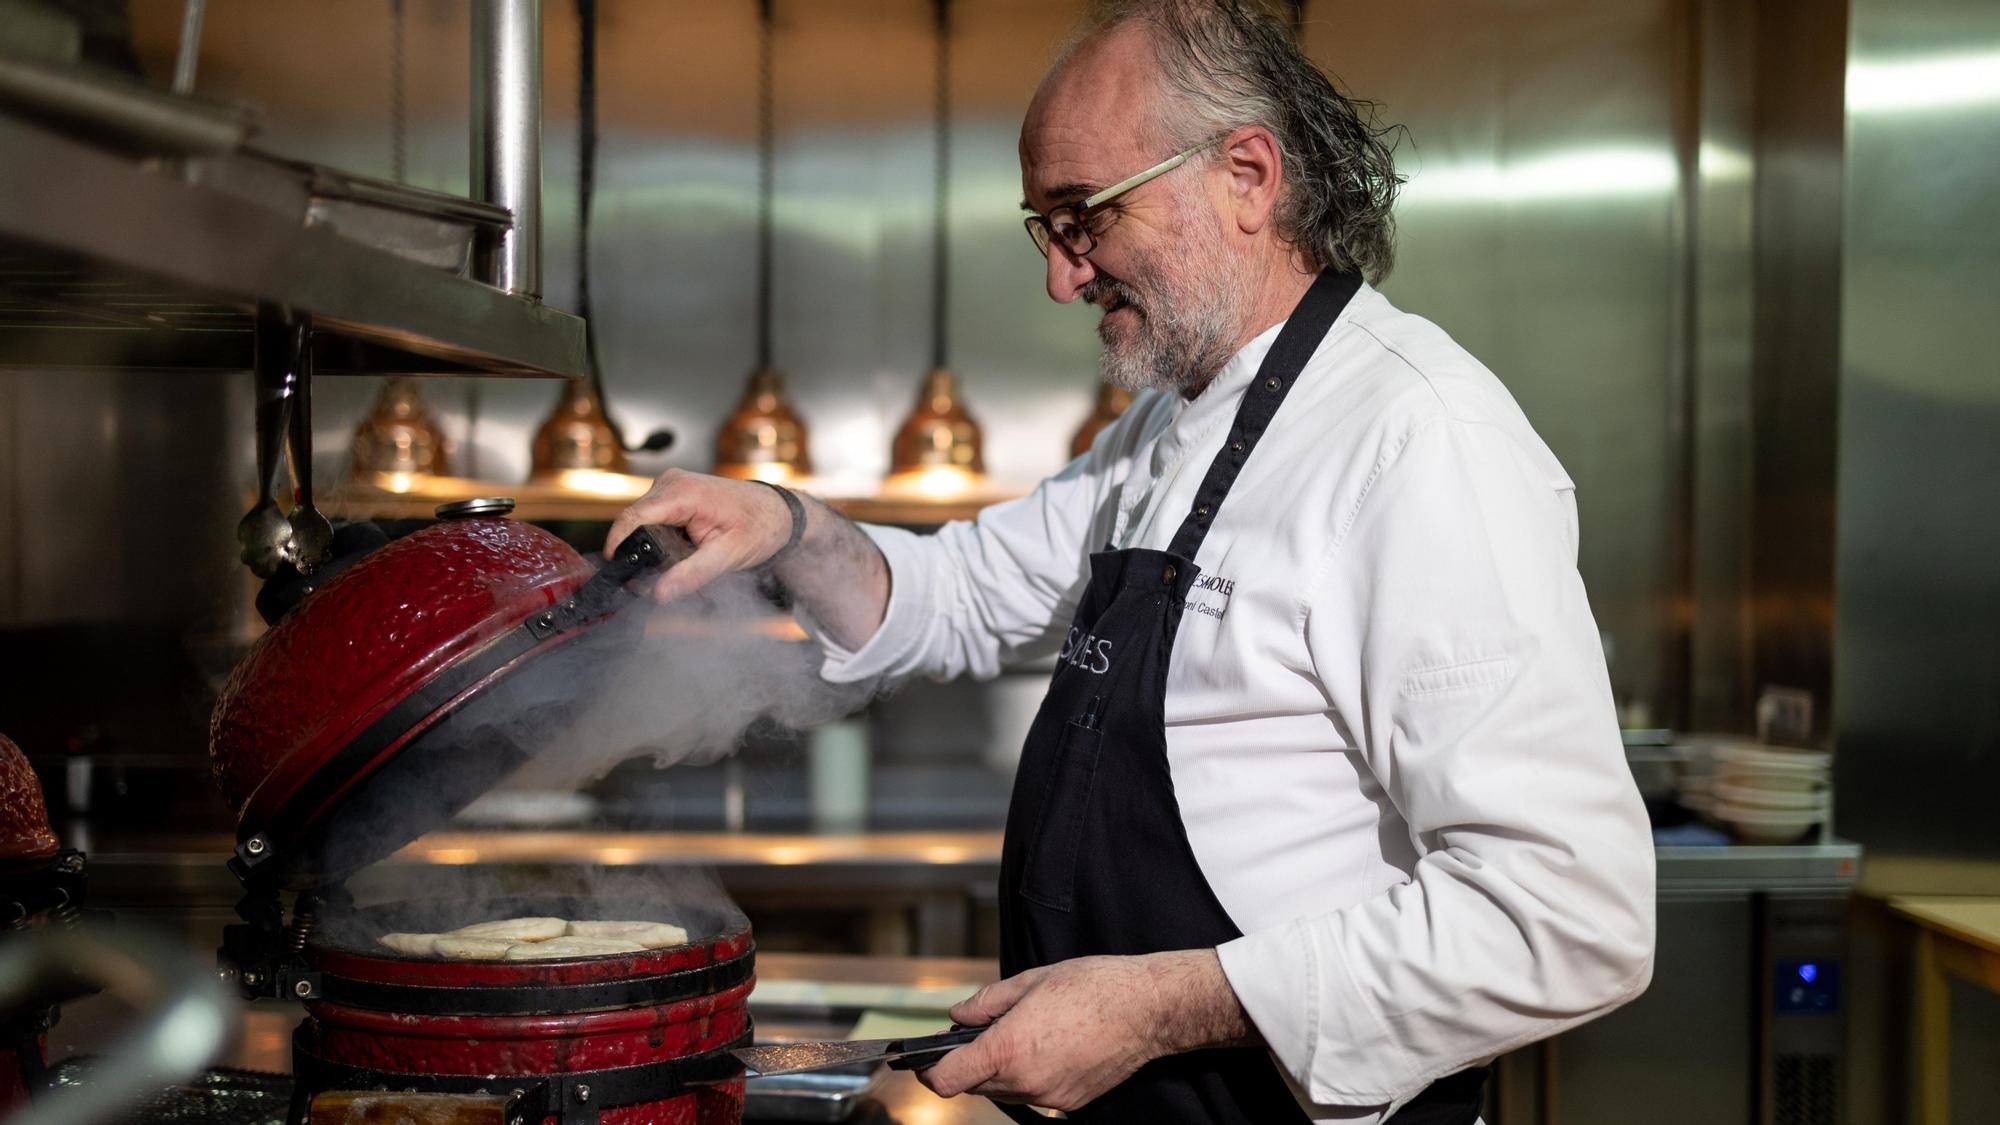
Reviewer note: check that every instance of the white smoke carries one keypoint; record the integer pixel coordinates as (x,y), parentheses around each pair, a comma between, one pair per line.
(680,683)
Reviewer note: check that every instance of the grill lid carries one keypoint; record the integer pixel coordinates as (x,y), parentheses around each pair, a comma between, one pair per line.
(354,725)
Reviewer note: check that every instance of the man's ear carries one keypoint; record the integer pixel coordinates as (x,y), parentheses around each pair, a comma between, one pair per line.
(1255,168)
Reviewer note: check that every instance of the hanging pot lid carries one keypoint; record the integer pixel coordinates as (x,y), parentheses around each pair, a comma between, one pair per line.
(362,719)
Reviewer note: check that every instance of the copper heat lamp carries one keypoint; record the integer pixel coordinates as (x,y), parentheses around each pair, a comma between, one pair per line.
(579,435)
(938,451)
(763,439)
(399,438)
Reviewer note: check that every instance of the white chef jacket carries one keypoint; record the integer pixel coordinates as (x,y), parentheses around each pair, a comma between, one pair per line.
(1388,719)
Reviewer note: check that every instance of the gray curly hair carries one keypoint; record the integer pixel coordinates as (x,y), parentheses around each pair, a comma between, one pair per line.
(1230,63)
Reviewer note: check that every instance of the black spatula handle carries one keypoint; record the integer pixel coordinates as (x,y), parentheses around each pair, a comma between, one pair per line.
(920,1053)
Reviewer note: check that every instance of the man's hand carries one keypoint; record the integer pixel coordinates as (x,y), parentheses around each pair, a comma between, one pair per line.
(837,574)
(735,525)
(1064,1034)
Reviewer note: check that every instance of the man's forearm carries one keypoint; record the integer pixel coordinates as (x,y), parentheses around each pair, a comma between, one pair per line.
(1195,1006)
(837,575)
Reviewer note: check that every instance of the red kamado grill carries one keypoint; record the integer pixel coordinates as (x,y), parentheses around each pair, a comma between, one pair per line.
(367,716)
(626,1039)
(41,884)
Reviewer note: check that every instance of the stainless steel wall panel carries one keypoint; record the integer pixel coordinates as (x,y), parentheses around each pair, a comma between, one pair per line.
(1918,734)
(117,510)
(1796,358)
(1538,227)
(1919,519)
(1723,56)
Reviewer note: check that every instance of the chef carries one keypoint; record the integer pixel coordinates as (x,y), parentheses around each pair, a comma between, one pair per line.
(1326,805)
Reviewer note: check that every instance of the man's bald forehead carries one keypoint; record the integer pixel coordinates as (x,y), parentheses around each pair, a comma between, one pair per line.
(1120,54)
(1101,98)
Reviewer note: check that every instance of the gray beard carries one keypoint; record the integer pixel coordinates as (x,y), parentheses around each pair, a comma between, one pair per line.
(1184,326)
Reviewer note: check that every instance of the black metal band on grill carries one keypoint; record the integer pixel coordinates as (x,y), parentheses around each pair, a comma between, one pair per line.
(346,764)
(516,1000)
(574,1097)
(398,721)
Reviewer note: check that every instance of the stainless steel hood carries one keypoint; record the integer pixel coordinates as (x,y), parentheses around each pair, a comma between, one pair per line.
(134,235)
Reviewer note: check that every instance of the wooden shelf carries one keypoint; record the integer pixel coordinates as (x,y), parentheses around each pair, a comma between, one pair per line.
(544,501)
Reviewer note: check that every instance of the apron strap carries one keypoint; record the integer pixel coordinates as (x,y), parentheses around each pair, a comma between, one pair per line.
(1296,343)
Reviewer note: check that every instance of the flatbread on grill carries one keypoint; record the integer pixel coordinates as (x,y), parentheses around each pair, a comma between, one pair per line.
(652,935)
(514,929)
(416,945)
(571,947)
(471,948)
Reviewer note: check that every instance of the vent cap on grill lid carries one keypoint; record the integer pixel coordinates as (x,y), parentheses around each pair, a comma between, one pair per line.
(364,719)
(477,506)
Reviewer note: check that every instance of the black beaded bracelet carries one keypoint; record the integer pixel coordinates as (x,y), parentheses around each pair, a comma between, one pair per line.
(798,508)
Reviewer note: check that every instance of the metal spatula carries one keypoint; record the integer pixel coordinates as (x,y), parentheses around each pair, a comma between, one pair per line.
(796,1058)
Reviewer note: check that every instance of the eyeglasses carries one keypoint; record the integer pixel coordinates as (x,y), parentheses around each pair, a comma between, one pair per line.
(1070,225)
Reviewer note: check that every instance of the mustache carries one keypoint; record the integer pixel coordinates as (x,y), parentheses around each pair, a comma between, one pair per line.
(1110,294)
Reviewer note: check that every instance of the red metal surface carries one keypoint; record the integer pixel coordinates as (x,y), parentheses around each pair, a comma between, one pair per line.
(409,1043)
(379,631)
(25,837)
(526,974)
(528,1044)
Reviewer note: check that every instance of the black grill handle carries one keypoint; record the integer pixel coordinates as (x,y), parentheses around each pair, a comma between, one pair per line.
(646,549)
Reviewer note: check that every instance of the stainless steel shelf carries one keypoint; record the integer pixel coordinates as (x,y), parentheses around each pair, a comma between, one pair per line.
(108,260)
(1695,872)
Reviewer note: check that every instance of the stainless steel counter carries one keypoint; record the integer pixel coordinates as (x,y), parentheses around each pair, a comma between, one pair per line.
(1831,867)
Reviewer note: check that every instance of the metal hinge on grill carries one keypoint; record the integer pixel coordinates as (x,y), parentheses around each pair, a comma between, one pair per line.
(264,956)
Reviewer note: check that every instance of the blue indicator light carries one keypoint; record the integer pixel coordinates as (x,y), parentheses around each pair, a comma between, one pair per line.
(1805,985)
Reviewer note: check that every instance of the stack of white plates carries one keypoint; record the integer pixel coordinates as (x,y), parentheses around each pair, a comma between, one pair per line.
(1696,786)
(1770,794)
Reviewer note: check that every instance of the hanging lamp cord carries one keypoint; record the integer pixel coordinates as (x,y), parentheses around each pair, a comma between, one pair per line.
(766,167)
(399,118)
(586,176)
(586,191)
(940,243)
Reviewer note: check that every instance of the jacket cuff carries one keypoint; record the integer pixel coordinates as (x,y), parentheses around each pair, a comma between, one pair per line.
(895,642)
(1317,1025)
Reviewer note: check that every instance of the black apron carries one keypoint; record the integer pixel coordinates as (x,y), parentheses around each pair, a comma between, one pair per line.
(1096,859)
